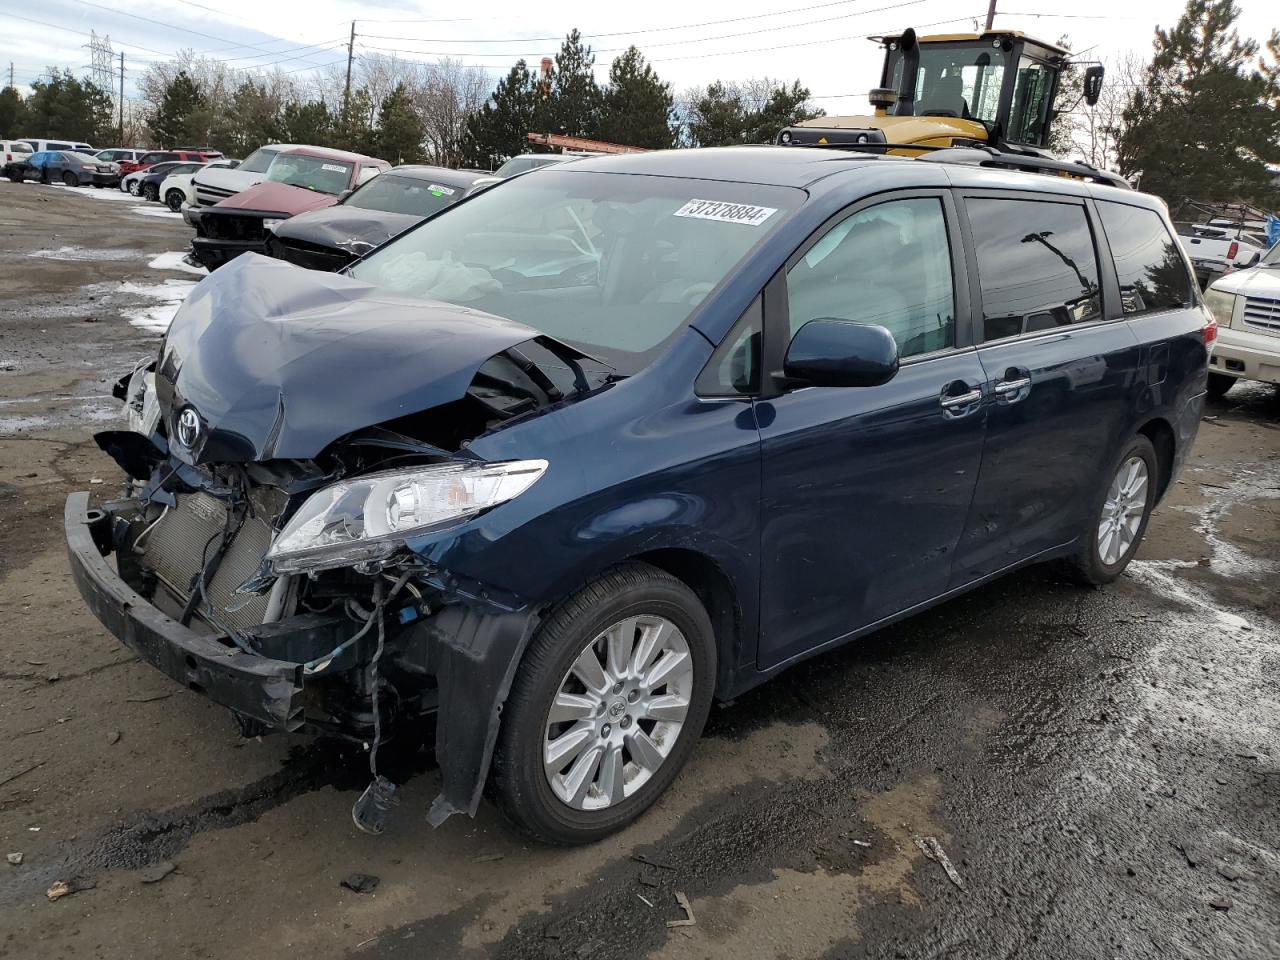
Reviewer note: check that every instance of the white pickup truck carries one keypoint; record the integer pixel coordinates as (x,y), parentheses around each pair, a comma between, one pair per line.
(1246,304)
(1215,249)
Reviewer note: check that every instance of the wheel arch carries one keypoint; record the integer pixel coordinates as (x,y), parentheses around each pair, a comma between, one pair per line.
(1160,432)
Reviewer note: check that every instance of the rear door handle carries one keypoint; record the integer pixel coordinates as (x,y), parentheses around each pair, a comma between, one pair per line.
(1014,385)
(1006,387)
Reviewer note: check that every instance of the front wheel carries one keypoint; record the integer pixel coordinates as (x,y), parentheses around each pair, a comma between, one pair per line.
(1219,384)
(133,188)
(174,199)
(70,179)
(606,706)
(151,192)
(1119,516)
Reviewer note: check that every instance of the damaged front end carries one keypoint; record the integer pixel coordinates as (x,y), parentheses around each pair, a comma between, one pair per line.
(288,457)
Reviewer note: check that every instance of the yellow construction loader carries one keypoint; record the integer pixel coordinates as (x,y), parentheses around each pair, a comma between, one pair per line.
(993,92)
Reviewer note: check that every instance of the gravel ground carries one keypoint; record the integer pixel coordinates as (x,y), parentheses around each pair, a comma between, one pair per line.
(1101,768)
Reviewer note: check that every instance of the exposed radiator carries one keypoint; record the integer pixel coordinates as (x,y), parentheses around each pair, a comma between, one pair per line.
(191,531)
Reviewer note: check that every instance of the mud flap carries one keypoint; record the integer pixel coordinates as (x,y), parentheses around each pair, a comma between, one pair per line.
(478,654)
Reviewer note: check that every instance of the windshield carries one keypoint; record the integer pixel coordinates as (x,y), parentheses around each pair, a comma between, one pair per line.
(1272,257)
(952,81)
(614,264)
(392,194)
(310,173)
(522,163)
(258,161)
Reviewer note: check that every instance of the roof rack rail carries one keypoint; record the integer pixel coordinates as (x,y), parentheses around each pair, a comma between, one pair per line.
(983,156)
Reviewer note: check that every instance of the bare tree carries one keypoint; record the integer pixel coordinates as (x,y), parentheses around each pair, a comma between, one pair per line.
(446,93)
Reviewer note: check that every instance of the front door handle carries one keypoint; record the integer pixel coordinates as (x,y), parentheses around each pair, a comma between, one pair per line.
(950,403)
(1014,386)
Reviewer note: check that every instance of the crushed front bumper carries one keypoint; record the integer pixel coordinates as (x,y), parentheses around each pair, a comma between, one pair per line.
(258,687)
(214,253)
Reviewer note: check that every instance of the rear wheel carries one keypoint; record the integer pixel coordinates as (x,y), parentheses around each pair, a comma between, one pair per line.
(133,188)
(1120,513)
(70,179)
(606,706)
(152,192)
(1219,384)
(174,200)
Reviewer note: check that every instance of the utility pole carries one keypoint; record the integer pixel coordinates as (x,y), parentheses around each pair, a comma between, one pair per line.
(11,75)
(122,98)
(351,49)
(991,14)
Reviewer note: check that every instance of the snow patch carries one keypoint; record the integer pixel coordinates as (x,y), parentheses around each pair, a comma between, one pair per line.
(80,253)
(170,294)
(176,260)
(164,212)
(1158,575)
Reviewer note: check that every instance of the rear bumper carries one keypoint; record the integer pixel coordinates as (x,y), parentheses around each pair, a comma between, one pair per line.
(259,687)
(1250,356)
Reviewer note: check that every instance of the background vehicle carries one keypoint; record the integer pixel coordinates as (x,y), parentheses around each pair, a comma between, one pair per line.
(153,157)
(522,164)
(131,183)
(119,155)
(176,189)
(150,179)
(585,414)
(13,150)
(332,237)
(38,145)
(1247,306)
(995,88)
(214,185)
(63,166)
(298,180)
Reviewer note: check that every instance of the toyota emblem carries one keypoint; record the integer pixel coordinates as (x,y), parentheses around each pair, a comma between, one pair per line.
(189,428)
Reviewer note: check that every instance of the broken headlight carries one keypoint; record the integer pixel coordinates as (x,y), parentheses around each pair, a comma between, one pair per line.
(367,518)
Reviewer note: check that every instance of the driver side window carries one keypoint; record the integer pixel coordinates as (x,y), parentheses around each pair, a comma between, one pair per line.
(889,265)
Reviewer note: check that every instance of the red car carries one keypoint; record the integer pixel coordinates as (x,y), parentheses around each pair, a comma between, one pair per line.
(298,180)
(160,156)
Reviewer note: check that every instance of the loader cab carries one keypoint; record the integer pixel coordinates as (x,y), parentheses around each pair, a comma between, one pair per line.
(995,88)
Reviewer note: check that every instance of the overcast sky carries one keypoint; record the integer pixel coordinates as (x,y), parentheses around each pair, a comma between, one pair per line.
(820,42)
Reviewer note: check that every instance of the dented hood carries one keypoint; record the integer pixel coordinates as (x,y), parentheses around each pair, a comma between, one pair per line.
(277,198)
(352,229)
(278,361)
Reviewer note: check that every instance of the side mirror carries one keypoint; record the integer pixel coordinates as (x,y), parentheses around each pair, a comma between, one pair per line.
(829,352)
(1093,83)
(343,195)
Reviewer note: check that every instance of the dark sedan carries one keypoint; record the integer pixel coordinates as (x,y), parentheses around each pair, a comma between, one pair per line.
(385,207)
(152,177)
(73,169)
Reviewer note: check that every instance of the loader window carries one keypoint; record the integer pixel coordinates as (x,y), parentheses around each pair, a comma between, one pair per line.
(1030,111)
(952,81)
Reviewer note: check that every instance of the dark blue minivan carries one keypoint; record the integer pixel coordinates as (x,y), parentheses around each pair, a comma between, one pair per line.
(565,463)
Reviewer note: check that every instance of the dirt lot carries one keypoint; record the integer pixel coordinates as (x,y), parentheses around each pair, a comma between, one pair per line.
(1101,767)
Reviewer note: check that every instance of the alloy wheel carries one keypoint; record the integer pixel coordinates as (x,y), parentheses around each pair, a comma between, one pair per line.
(133,188)
(618,712)
(1122,510)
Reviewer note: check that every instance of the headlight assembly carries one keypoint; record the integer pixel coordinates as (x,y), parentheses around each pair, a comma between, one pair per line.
(1221,305)
(369,517)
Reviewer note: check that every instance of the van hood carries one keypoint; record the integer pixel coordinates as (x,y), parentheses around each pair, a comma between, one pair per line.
(278,362)
(352,229)
(274,196)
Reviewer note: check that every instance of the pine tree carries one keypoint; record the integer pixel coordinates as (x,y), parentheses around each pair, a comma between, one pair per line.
(400,130)
(785,106)
(573,107)
(637,107)
(1204,124)
(179,111)
(11,112)
(65,106)
(719,117)
(497,132)
(351,130)
(307,123)
(724,114)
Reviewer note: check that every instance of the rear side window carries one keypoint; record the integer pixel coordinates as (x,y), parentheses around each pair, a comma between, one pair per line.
(1149,264)
(856,271)
(1036,265)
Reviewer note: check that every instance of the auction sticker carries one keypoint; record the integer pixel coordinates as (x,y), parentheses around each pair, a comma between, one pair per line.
(437,189)
(724,212)
(333,168)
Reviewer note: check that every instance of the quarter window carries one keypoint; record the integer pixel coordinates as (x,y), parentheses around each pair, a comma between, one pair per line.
(1030,102)
(1036,265)
(890,265)
(1149,263)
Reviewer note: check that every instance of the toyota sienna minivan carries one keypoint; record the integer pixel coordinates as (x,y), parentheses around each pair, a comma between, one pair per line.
(569,461)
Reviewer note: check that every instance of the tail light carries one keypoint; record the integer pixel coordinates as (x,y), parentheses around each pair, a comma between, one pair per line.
(1233,250)
(1210,333)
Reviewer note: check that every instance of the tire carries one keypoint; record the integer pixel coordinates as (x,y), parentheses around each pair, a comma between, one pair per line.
(1089,563)
(70,179)
(1219,384)
(151,191)
(14,176)
(174,200)
(523,788)
(133,188)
